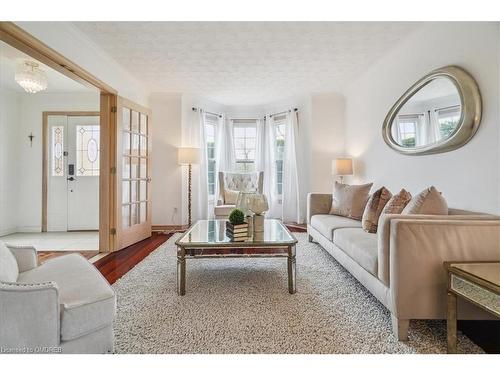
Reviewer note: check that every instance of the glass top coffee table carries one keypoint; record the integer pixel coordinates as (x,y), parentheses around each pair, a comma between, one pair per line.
(207,239)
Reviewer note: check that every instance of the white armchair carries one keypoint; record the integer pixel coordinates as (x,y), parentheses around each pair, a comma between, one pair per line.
(232,181)
(64,305)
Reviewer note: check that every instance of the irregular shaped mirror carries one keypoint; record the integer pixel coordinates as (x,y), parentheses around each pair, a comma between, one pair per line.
(439,113)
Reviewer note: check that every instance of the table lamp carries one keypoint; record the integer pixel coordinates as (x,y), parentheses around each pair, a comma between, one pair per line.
(342,167)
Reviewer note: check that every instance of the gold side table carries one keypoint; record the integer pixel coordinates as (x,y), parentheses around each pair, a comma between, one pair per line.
(476,282)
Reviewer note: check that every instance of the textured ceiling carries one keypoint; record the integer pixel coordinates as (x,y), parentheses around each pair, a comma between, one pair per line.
(246,63)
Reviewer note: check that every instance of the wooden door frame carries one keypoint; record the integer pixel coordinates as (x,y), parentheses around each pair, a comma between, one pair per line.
(45,155)
(33,47)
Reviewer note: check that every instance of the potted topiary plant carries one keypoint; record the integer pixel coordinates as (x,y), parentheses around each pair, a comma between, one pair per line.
(236,227)
(236,217)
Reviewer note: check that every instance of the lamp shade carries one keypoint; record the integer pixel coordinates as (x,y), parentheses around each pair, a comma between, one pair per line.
(188,155)
(342,167)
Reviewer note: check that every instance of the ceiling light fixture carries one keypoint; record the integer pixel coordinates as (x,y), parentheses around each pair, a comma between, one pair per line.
(30,77)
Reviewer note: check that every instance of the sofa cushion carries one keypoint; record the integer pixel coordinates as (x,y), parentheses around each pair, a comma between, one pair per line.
(327,224)
(224,209)
(349,200)
(9,269)
(87,299)
(361,246)
(374,208)
(428,202)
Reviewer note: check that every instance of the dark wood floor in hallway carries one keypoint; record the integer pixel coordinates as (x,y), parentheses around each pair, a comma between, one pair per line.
(486,334)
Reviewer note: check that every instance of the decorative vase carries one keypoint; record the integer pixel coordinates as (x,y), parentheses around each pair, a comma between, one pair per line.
(258,204)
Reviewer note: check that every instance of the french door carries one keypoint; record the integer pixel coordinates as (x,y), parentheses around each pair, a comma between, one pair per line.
(72,187)
(133,173)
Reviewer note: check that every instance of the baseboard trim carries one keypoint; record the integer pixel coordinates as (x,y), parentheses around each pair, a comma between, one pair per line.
(7,231)
(168,227)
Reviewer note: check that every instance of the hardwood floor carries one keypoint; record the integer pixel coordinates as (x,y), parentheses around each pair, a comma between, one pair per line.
(486,334)
(44,256)
(115,265)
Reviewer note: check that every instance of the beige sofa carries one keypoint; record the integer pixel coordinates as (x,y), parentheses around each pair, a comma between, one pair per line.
(402,264)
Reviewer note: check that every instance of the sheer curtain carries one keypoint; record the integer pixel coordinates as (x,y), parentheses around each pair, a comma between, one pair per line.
(225,155)
(267,162)
(226,159)
(201,185)
(291,205)
(260,145)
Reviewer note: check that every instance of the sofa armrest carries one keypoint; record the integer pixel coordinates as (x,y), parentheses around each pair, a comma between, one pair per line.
(25,255)
(318,203)
(29,315)
(384,236)
(418,249)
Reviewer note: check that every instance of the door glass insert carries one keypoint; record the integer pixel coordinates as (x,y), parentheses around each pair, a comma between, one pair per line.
(57,151)
(87,150)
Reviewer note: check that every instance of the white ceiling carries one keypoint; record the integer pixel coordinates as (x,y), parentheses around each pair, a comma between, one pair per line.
(246,63)
(437,88)
(56,82)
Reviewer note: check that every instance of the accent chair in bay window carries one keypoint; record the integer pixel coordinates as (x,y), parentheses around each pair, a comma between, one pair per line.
(230,184)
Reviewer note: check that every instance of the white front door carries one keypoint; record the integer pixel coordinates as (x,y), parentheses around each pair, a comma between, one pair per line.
(73,181)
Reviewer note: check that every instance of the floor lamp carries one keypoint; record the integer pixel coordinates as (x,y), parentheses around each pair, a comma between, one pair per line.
(189,156)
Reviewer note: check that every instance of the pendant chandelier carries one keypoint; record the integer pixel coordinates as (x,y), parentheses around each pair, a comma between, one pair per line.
(30,77)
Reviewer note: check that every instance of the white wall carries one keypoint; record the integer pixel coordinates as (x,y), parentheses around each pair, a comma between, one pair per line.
(29,158)
(468,177)
(9,115)
(166,175)
(327,138)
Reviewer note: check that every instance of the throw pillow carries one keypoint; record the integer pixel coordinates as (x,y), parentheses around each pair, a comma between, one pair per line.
(397,203)
(350,200)
(373,209)
(428,202)
(230,196)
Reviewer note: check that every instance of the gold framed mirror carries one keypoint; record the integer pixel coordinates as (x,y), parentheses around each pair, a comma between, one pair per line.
(440,112)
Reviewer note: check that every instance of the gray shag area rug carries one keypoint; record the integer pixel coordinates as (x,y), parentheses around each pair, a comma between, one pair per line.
(243,306)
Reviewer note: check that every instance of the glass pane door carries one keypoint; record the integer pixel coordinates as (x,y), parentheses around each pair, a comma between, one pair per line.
(133,173)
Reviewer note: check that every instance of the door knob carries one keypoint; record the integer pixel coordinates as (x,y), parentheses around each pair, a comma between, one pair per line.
(148,179)
(71,178)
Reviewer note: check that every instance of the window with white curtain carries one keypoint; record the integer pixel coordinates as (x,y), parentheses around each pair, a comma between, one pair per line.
(245,141)
(211,122)
(407,125)
(279,144)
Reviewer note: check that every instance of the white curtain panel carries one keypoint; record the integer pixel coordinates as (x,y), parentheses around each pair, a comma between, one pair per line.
(267,161)
(291,204)
(260,146)
(434,134)
(201,196)
(396,131)
(420,131)
(225,155)
(226,159)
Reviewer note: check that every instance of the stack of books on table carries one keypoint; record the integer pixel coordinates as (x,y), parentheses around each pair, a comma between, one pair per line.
(237,232)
